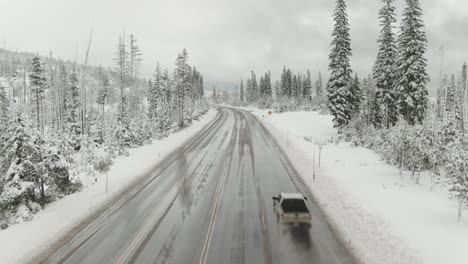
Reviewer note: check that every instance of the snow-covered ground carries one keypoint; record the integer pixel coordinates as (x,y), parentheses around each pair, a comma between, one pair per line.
(21,241)
(383,218)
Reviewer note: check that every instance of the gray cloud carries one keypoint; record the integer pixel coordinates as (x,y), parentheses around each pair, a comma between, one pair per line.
(225,39)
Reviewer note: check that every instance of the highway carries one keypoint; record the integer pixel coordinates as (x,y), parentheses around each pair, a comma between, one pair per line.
(208,202)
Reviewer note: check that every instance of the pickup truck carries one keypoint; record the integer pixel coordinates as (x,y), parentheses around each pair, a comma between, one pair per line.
(292,209)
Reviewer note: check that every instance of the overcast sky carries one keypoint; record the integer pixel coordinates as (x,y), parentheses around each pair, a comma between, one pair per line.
(225,38)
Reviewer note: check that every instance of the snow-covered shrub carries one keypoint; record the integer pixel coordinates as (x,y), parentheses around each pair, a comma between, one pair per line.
(103,160)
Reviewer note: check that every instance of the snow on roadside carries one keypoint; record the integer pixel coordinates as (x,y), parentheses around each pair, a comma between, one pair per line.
(381,217)
(21,241)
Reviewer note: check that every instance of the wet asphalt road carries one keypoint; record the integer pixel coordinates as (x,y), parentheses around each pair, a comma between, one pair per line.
(208,202)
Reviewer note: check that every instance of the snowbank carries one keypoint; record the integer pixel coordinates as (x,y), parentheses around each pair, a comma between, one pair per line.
(21,241)
(380,216)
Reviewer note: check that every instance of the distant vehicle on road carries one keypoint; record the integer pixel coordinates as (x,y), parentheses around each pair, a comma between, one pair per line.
(292,209)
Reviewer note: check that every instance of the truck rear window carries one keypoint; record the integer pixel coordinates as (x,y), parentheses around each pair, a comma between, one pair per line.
(294,205)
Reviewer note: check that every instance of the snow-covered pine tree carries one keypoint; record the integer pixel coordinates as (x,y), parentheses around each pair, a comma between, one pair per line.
(135,57)
(73,114)
(248,96)
(288,84)
(411,65)
(283,91)
(121,62)
(268,90)
(357,96)
(463,96)
(319,88)
(155,93)
(451,100)
(167,88)
(37,81)
(278,91)
(459,102)
(17,181)
(457,168)
(4,105)
(339,85)
(29,170)
(158,108)
(160,114)
(255,89)
(64,94)
(201,92)
(241,92)
(182,79)
(369,103)
(385,66)
(261,88)
(294,87)
(307,87)
(441,98)
(102,97)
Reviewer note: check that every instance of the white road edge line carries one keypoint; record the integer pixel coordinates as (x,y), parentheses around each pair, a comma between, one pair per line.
(206,245)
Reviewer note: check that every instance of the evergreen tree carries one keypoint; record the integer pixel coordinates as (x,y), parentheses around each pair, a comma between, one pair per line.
(16,169)
(104,92)
(135,57)
(319,88)
(385,66)
(241,93)
(267,89)
(63,82)
(339,84)
(411,71)
(357,96)
(155,93)
(451,100)
(368,99)
(456,168)
(4,105)
(441,98)
(158,106)
(255,89)
(283,89)
(182,79)
(288,84)
(102,97)
(29,169)
(201,87)
(307,87)
(463,96)
(73,114)
(167,86)
(278,90)
(37,82)
(261,88)
(294,87)
(121,61)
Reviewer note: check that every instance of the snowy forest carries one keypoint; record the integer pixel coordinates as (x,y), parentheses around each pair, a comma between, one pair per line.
(389,110)
(62,123)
